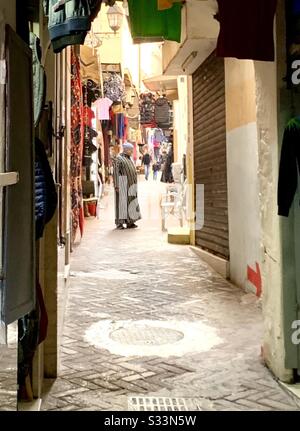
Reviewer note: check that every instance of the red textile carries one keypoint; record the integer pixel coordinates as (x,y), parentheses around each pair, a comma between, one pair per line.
(126,127)
(77,140)
(88,116)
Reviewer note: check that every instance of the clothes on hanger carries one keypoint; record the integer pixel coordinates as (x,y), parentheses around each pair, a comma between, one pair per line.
(289,167)
(88,116)
(162,112)
(147,109)
(39,79)
(45,189)
(159,135)
(102,107)
(246,29)
(114,87)
(69,21)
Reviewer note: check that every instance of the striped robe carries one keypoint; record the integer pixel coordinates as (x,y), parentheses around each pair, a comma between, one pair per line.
(127,208)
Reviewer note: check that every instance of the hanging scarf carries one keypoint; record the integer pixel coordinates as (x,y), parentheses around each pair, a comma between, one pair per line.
(77,137)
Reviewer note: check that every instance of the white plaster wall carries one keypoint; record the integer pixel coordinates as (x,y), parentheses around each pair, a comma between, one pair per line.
(243,203)
(266,93)
(242,172)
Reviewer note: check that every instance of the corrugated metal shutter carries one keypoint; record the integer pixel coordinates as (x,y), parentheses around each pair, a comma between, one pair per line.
(210,154)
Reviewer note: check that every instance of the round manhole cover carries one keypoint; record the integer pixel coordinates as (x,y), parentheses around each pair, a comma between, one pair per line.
(146,335)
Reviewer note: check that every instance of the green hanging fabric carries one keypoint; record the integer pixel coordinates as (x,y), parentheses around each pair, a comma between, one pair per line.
(150,24)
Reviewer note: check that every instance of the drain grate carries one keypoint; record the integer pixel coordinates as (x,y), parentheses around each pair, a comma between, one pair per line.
(157,404)
(146,335)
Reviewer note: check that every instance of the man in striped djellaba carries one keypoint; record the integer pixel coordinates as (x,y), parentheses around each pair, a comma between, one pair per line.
(127,208)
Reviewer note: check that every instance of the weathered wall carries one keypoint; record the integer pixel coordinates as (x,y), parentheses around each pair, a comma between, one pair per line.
(8,9)
(242,170)
(278,233)
(266,84)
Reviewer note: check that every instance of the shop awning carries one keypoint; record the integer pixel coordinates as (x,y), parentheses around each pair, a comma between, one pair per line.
(163,84)
(147,22)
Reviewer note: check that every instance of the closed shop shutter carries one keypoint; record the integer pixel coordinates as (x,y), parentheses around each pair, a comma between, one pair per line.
(210,154)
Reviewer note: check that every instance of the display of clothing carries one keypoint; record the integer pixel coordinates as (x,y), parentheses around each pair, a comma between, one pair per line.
(88,116)
(147,109)
(45,190)
(39,79)
(77,143)
(114,87)
(69,21)
(246,29)
(159,136)
(102,106)
(289,167)
(162,113)
(151,24)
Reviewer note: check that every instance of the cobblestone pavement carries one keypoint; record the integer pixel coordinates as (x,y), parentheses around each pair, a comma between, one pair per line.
(130,340)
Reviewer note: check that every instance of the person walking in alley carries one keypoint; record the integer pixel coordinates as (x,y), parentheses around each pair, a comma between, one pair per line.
(146,161)
(127,208)
(156,169)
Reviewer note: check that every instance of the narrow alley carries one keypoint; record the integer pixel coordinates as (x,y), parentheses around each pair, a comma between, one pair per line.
(149,206)
(149,326)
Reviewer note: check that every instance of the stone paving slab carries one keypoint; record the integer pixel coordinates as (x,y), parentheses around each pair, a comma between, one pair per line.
(156,281)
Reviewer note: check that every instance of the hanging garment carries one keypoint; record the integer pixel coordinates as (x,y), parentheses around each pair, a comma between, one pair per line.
(45,190)
(113,87)
(147,109)
(120,126)
(149,23)
(77,141)
(69,21)
(246,29)
(162,113)
(39,79)
(133,113)
(289,166)
(88,116)
(102,106)
(32,331)
(159,136)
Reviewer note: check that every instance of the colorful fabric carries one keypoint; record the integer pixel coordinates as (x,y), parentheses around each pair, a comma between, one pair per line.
(77,139)
(103,106)
(113,87)
(162,113)
(147,22)
(147,109)
(88,116)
